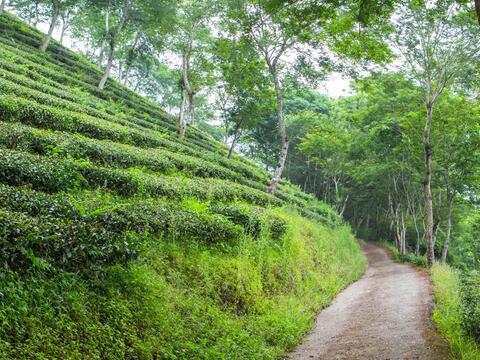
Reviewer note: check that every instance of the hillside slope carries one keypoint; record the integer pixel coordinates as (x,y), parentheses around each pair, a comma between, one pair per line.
(119,241)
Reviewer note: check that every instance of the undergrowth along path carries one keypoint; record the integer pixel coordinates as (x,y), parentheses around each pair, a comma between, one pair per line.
(384,315)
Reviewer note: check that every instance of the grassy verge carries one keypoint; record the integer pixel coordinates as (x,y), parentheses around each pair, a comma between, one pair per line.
(448,312)
(411,258)
(183,299)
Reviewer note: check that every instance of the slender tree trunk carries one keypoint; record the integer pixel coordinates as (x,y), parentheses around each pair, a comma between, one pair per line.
(46,40)
(344,206)
(417,240)
(191,107)
(62,34)
(186,86)
(113,38)
(182,124)
(403,235)
(234,142)
(65,20)
(106,74)
(283,132)
(427,191)
(449,226)
(394,224)
(104,37)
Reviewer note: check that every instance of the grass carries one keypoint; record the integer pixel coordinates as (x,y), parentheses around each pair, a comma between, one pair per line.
(253,299)
(120,242)
(420,261)
(448,312)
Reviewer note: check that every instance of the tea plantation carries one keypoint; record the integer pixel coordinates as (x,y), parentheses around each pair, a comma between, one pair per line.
(117,241)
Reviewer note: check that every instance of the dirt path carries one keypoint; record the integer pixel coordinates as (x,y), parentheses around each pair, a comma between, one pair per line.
(384,315)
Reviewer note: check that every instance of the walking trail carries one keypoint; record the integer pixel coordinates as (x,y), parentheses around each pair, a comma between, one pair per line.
(384,315)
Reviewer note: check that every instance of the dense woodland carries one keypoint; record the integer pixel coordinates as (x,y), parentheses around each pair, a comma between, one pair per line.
(398,157)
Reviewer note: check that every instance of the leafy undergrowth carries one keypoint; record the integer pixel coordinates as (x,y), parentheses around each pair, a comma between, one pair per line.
(411,258)
(452,311)
(182,299)
(117,241)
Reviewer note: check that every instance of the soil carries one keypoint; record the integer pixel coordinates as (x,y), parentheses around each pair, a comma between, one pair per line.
(384,315)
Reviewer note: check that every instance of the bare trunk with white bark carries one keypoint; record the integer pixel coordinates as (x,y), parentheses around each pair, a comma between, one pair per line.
(282,130)
(46,40)
(427,191)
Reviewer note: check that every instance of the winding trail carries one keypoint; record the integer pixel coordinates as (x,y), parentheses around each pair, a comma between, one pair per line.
(384,315)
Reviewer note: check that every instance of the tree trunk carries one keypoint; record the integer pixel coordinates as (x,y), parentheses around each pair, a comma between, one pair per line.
(427,191)
(235,138)
(191,107)
(113,38)
(46,40)
(128,65)
(403,235)
(182,125)
(65,20)
(106,74)
(62,34)
(105,35)
(394,224)
(344,206)
(449,226)
(283,133)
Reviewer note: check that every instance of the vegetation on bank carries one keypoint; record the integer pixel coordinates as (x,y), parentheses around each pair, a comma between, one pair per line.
(457,310)
(118,241)
(183,298)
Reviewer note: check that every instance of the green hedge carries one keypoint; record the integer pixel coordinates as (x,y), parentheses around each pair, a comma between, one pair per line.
(54,175)
(253,219)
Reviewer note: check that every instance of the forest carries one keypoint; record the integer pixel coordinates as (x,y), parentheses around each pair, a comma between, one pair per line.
(182,167)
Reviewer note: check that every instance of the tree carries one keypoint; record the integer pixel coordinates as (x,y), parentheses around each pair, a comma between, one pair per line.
(55,6)
(244,86)
(436,40)
(191,41)
(287,40)
(455,141)
(111,36)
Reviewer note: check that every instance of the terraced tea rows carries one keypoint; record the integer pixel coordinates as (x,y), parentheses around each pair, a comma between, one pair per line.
(60,134)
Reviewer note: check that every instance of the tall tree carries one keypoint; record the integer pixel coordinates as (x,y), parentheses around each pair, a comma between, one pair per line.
(192,41)
(55,7)
(283,38)
(436,40)
(123,16)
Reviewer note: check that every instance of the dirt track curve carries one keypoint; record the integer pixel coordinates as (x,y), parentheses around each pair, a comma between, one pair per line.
(384,315)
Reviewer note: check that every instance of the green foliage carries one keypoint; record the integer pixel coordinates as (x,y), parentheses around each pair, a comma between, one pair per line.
(120,242)
(448,312)
(251,300)
(470,289)
(410,258)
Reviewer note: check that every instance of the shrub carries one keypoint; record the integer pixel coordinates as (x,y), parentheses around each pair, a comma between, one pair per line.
(448,312)
(253,219)
(470,289)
